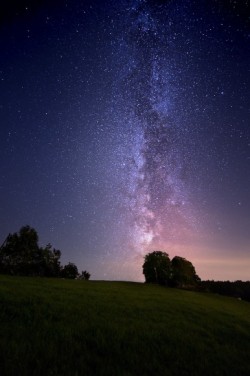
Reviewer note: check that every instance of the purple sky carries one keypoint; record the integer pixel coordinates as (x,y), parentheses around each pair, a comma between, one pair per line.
(125,129)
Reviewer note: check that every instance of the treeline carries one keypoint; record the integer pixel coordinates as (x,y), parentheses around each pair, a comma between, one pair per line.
(20,254)
(180,273)
(237,289)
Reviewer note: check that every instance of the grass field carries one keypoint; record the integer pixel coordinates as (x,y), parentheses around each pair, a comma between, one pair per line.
(63,327)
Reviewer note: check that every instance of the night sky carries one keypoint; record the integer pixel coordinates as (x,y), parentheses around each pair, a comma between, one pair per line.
(125,128)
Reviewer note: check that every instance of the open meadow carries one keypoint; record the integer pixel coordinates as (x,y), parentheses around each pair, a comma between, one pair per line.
(72,327)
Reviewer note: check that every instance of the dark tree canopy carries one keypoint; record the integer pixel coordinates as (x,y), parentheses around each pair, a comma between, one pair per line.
(20,254)
(237,289)
(183,272)
(85,275)
(50,261)
(179,272)
(156,267)
(70,271)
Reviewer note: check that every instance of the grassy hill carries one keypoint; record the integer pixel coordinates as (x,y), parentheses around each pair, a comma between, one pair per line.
(63,327)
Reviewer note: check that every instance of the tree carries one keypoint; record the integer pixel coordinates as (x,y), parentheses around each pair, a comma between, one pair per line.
(183,273)
(69,271)
(156,267)
(85,275)
(49,265)
(20,252)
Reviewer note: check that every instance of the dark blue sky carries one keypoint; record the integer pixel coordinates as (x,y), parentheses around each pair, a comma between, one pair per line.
(124,128)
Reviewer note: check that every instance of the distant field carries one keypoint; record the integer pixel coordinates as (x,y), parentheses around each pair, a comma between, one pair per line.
(63,327)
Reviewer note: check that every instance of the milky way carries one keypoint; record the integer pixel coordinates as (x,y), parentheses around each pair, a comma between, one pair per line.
(126,130)
(159,199)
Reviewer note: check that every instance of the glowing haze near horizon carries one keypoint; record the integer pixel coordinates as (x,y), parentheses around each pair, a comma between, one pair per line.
(125,129)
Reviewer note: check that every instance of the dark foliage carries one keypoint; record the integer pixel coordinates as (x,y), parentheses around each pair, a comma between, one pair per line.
(183,273)
(85,275)
(179,272)
(156,267)
(237,289)
(69,271)
(20,254)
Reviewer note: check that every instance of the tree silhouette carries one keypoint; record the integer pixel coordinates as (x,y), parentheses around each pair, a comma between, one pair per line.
(69,271)
(50,262)
(183,273)
(20,254)
(156,267)
(179,272)
(85,275)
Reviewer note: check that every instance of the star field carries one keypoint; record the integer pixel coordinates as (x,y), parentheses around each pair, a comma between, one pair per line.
(125,129)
